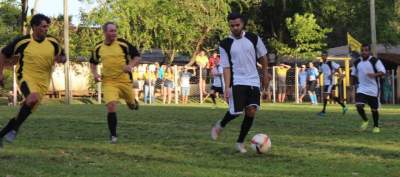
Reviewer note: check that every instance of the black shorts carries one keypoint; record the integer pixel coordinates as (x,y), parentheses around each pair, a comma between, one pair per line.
(312,85)
(329,88)
(372,101)
(217,89)
(243,96)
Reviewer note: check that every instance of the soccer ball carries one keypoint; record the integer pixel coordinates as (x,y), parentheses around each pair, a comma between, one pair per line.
(261,143)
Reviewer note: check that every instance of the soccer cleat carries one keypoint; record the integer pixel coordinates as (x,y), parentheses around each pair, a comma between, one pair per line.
(364,125)
(376,130)
(344,110)
(114,139)
(11,135)
(322,114)
(133,106)
(240,148)
(216,130)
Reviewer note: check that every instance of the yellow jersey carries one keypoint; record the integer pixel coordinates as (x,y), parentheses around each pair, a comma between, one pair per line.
(281,71)
(36,58)
(114,58)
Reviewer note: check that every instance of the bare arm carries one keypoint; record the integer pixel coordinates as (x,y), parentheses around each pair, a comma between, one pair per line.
(132,63)
(227,81)
(264,63)
(96,75)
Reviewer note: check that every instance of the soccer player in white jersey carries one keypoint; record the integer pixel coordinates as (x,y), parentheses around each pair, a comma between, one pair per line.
(329,69)
(239,55)
(367,71)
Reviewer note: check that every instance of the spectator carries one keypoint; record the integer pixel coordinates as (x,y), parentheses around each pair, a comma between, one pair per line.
(213,60)
(281,72)
(168,85)
(185,84)
(149,82)
(302,83)
(312,74)
(202,62)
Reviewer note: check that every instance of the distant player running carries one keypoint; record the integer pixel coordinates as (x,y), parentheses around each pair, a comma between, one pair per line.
(367,71)
(239,55)
(119,58)
(329,69)
(218,82)
(37,54)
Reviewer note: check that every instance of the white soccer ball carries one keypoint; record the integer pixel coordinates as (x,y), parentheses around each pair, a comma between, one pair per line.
(261,143)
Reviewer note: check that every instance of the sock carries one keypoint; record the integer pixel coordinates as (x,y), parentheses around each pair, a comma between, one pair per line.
(311,97)
(7,128)
(112,123)
(361,112)
(24,112)
(375,116)
(338,101)
(325,102)
(227,118)
(315,98)
(246,125)
(213,98)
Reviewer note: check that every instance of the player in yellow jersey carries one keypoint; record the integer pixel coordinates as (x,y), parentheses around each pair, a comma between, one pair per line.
(119,58)
(37,54)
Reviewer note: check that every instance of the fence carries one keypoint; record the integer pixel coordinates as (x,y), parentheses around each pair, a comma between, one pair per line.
(83,86)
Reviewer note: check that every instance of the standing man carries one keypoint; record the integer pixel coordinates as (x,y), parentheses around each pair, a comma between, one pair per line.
(119,58)
(239,55)
(185,84)
(302,82)
(37,54)
(281,72)
(329,69)
(312,75)
(367,70)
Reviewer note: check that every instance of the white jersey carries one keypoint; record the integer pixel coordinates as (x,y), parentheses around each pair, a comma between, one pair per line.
(218,81)
(327,71)
(243,58)
(367,85)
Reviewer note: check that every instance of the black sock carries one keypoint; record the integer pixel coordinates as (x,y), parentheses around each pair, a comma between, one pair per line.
(361,112)
(338,101)
(246,125)
(112,123)
(227,118)
(7,128)
(24,112)
(325,102)
(375,116)
(213,98)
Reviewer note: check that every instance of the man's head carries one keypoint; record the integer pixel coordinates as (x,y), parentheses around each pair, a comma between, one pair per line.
(311,64)
(324,55)
(236,23)
(202,53)
(365,51)
(303,67)
(110,31)
(40,25)
(215,54)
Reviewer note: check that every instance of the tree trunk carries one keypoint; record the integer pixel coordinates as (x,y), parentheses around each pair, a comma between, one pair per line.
(201,40)
(24,10)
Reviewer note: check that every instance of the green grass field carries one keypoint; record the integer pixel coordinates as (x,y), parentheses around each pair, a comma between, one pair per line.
(61,141)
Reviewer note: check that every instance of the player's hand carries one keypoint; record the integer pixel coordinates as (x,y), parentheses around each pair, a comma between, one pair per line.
(60,59)
(97,78)
(1,80)
(128,69)
(227,94)
(371,75)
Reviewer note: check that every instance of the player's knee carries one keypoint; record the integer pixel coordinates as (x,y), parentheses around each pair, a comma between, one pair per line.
(32,100)
(251,111)
(112,107)
(359,106)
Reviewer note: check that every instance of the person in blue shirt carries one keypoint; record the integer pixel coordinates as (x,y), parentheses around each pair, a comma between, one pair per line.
(312,80)
(302,82)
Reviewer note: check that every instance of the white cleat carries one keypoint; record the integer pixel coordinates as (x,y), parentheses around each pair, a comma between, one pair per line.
(114,140)
(240,148)
(216,130)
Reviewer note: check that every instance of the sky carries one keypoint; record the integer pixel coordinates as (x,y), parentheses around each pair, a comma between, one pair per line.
(56,7)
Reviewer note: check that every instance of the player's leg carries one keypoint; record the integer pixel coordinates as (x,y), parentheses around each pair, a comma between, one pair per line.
(327,91)
(373,102)
(213,95)
(111,97)
(337,100)
(32,98)
(361,100)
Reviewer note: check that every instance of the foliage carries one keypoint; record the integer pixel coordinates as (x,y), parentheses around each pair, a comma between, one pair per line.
(9,27)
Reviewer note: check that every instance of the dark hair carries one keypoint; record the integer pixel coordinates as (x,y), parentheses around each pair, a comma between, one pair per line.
(104,27)
(235,15)
(366,45)
(38,18)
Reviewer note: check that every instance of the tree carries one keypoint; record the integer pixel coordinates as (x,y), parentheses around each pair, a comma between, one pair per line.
(9,13)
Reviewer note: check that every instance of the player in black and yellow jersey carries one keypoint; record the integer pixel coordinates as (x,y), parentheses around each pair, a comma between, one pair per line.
(37,54)
(118,58)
